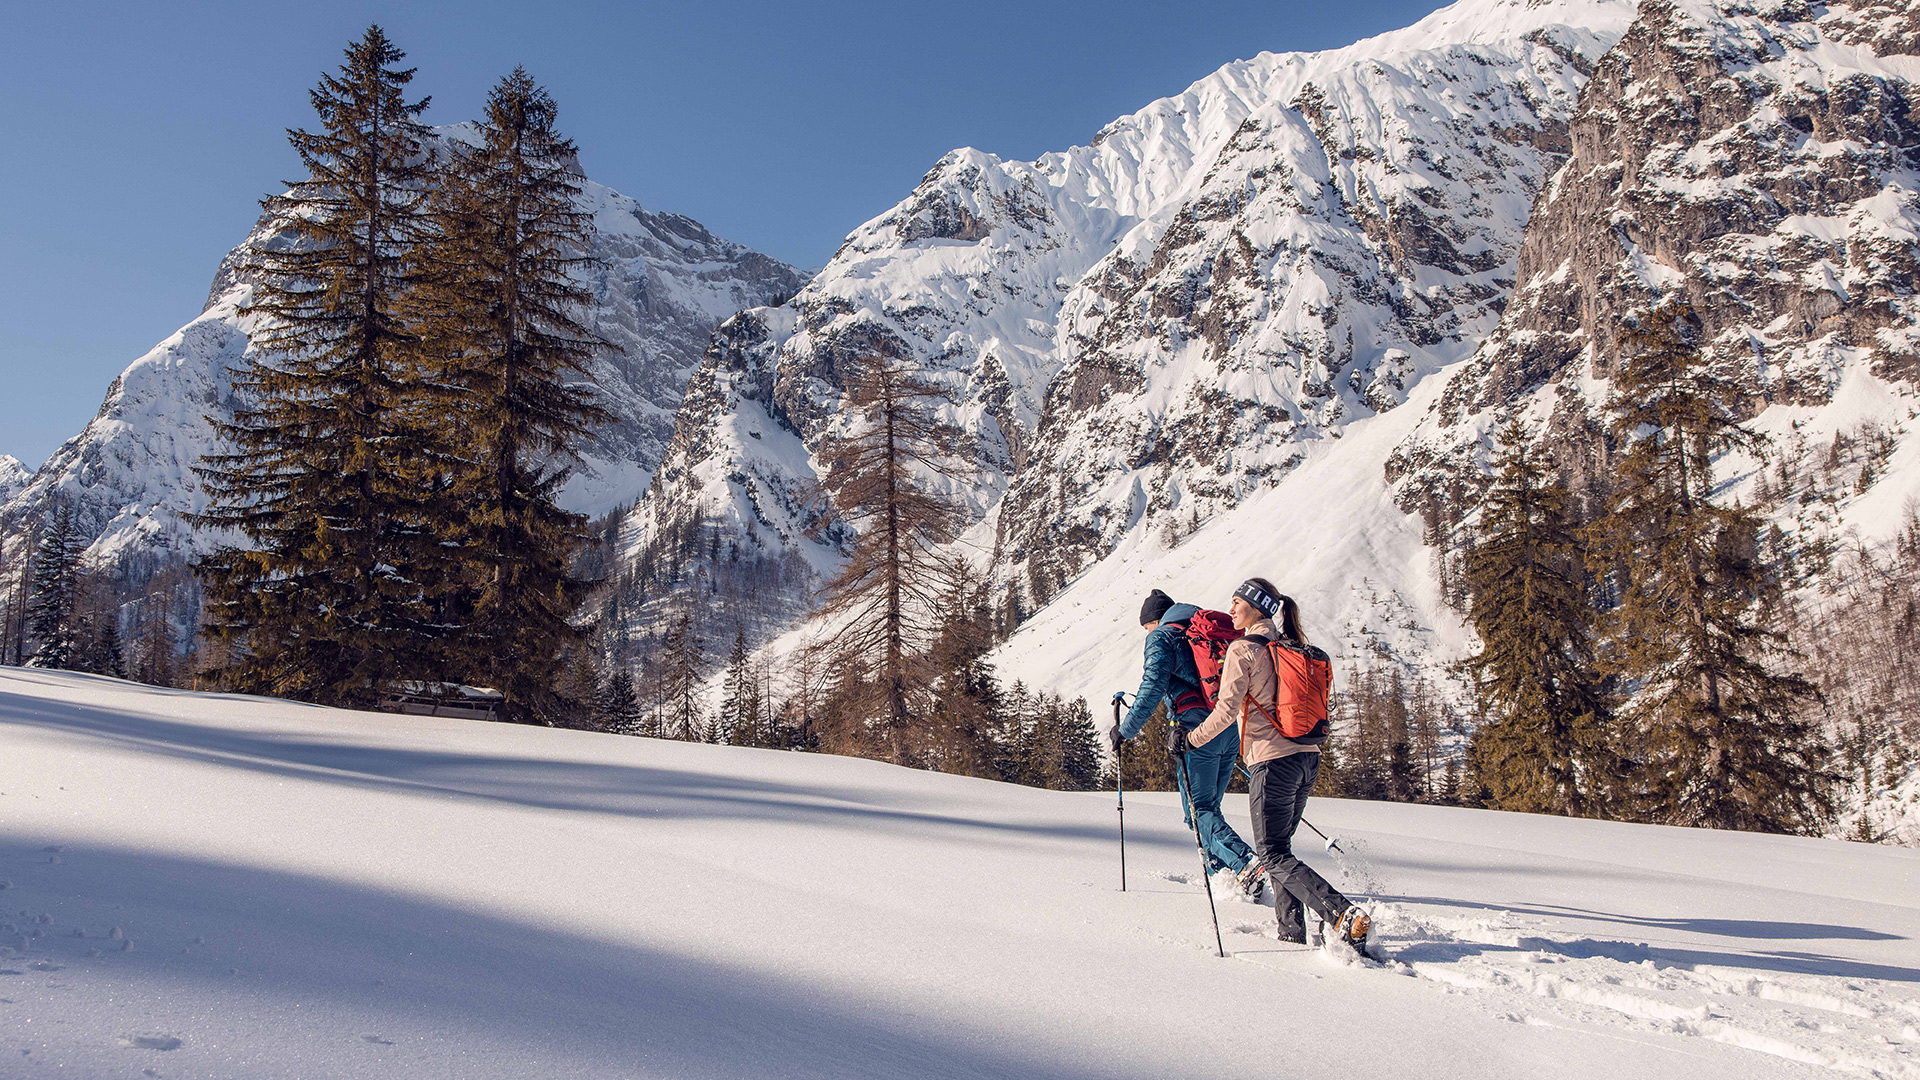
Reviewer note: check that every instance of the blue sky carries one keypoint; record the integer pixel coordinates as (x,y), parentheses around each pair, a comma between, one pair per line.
(139,136)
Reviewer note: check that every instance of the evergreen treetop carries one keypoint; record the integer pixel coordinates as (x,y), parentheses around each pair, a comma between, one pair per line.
(1545,745)
(499,309)
(331,467)
(1720,723)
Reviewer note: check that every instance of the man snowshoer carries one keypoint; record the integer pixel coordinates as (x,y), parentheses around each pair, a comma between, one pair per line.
(1281,770)
(1171,676)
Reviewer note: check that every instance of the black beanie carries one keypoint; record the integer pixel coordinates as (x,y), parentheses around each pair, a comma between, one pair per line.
(1156,606)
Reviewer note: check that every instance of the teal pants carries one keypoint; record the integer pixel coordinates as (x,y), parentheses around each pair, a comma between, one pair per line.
(1209,770)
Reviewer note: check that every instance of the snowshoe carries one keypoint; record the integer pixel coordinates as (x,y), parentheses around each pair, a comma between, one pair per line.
(1252,880)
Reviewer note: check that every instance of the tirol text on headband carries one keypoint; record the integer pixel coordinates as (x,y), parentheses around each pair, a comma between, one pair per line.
(1252,593)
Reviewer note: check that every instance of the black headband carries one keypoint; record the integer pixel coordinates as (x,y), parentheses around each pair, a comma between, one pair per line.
(1268,603)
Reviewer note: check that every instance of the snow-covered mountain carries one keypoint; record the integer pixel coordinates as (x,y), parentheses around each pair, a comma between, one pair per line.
(1263,326)
(1759,161)
(1140,333)
(665,283)
(1756,159)
(199,885)
(13,477)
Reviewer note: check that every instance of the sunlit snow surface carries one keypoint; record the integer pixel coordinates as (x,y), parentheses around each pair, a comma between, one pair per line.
(207,886)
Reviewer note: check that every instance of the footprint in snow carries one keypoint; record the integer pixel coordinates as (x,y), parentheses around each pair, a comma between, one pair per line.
(151,1042)
(376,1040)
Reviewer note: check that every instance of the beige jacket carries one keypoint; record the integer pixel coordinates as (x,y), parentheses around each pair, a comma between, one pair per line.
(1248,670)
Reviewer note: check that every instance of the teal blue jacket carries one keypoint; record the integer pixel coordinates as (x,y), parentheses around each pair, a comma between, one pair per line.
(1167,673)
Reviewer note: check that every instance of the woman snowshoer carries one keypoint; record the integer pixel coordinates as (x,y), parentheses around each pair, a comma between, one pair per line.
(1281,770)
(1170,675)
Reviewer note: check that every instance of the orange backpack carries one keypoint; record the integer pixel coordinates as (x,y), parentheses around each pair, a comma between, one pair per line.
(1303,680)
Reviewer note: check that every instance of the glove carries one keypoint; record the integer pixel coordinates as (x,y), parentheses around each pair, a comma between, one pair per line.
(1114,738)
(1177,744)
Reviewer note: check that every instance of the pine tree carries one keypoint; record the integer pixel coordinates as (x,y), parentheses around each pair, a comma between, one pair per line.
(332,465)
(739,705)
(1402,780)
(1725,742)
(620,705)
(499,312)
(1147,765)
(1079,746)
(887,597)
(1545,743)
(56,585)
(1045,745)
(680,678)
(101,651)
(963,716)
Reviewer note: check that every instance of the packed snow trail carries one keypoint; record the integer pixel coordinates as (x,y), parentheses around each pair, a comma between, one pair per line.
(215,886)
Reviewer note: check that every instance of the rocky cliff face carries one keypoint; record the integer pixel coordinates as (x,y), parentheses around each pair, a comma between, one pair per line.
(1355,234)
(1151,325)
(665,283)
(1755,159)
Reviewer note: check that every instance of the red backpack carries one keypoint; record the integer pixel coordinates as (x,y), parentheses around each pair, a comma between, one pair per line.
(1303,678)
(1208,634)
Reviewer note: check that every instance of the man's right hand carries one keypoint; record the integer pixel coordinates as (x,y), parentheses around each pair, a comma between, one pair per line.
(1114,738)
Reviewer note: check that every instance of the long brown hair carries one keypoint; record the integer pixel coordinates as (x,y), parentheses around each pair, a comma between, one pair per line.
(1289,612)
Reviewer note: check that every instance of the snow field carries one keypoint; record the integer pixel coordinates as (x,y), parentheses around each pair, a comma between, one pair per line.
(215,886)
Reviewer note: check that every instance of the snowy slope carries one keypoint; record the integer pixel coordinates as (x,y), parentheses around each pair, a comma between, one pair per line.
(208,886)
(1325,533)
(665,283)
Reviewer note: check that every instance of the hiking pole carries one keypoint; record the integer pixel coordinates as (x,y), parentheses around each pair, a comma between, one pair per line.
(1332,844)
(1186,789)
(1120,792)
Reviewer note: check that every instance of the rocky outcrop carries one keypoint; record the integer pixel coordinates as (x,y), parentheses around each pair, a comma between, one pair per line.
(1356,233)
(1753,158)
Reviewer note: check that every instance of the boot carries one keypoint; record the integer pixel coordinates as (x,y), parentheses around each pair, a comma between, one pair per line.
(1353,927)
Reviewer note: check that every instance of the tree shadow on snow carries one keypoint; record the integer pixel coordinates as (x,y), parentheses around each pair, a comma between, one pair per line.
(1786,961)
(640,791)
(358,981)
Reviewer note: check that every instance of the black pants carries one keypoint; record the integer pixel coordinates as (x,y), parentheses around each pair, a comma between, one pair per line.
(1277,792)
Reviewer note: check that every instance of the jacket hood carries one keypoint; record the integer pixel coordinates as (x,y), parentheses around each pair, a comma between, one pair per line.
(1178,613)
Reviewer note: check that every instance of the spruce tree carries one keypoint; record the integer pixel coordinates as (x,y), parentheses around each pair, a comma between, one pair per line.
(1079,746)
(620,705)
(1725,741)
(1045,764)
(682,718)
(332,465)
(962,729)
(56,585)
(739,705)
(500,308)
(879,474)
(1545,743)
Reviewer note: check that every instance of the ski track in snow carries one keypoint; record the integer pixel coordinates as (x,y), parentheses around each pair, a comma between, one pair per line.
(205,885)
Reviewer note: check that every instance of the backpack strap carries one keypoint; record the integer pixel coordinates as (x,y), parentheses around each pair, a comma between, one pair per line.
(1248,704)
